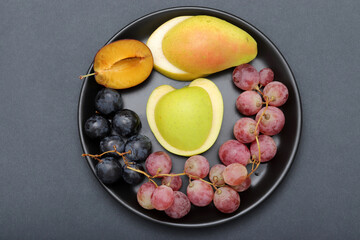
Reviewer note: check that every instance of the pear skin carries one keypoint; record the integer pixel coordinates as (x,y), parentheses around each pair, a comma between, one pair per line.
(205,45)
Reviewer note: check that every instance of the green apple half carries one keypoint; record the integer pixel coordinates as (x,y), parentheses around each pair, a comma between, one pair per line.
(186,121)
(161,64)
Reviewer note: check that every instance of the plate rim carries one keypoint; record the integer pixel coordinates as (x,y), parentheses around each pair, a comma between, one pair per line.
(298,132)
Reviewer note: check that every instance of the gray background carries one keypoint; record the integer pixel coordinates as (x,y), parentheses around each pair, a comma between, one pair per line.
(47,190)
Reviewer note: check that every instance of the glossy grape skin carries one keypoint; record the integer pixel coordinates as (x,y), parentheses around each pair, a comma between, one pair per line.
(180,207)
(226,200)
(96,127)
(200,193)
(175,182)
(140,147)
(245,77)
(248,103)
(244,130)
(272,122)
(266,76)
(197,165)
(215,174)
(243,186)
(126,123)
(162,198)
(108,143)
(158,162)
(233,151)
(108,101)
(267,148)
(108,170)
(132,177)
(234,174)
(144,195)
(277,92)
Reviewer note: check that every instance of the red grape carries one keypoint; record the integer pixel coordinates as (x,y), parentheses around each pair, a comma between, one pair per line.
(174,182)
(249,103)
(180,207)
(243,186)
(277,92)
(158,162)
(144,195)
(226,200)
(234,174)
(266,76)
(233,151)
(272,122)
(200,193)
(267,148)
(162,197)
(197,166)
(215,174)
(245,77)
(244,130)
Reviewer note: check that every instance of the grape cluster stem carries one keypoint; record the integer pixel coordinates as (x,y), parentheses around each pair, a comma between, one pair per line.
(255,161)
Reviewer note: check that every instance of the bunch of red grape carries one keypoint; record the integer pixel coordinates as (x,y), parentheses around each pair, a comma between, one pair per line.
(249,146)
(222,189)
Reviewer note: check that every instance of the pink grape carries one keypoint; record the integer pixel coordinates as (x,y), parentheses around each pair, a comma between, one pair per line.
(235,174)
(245,77)
(244,130)
(197,166)
(158,162)
(267,148)
(272,122)
(277,92)
(266,76)
(180,207)
(226,200)
(144,195)
(233,151)
(215,174)
(249,103)
(174,182)
(200,193)
(243,186)
(162,197)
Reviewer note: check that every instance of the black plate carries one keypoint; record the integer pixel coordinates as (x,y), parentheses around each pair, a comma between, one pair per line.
(267,177)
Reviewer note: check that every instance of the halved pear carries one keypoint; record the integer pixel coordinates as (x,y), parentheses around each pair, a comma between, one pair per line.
(161,64)
(186,121)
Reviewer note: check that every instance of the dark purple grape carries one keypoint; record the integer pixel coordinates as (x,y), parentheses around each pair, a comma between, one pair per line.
(140,147)
(108,143)
(108,170)
(108,101)
(97,127)
(126,122)
(132,177)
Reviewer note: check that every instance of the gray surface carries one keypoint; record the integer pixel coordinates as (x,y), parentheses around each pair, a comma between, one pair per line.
(47,190)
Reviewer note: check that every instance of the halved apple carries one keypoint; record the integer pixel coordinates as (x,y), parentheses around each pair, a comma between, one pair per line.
(186,121)
(161,64)
(123,64)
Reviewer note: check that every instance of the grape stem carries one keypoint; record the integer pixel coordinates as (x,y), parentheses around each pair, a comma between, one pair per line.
(256,161)
(157,175)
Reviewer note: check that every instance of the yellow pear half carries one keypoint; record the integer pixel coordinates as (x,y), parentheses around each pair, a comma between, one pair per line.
(205,45)
(161,64)
(186,121)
